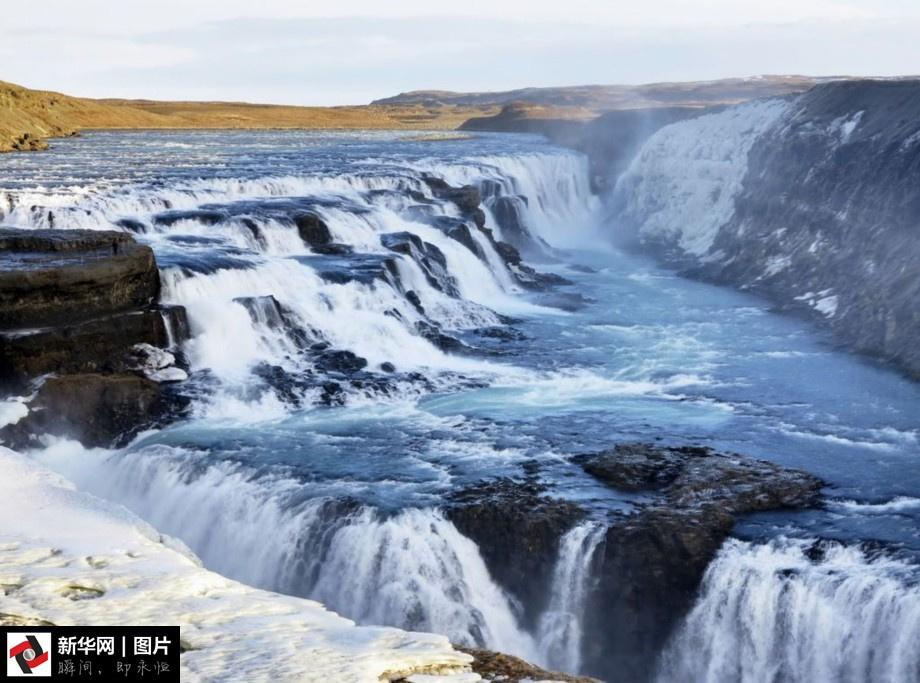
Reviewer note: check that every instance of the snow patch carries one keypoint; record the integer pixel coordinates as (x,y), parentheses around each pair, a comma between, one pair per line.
(12,410)
(824,302)
(52,536)
(157,364)
(844,126)
(776,264)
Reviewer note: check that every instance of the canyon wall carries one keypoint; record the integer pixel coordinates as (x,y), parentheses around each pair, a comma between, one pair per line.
(812,201)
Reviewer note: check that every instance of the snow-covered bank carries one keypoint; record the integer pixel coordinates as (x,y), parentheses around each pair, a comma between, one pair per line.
(67,557)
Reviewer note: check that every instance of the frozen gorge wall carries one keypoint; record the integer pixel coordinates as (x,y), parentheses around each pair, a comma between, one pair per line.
(813,201)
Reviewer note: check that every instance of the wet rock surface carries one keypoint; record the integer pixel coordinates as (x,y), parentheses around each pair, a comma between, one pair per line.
(80,330)
(97,410)
(467,198)
(690,476)
(650,563)
(508,213)
(517,527)
(363,268)
(495,666)
(98,345)
(428,257)
(51,277)
(313,229)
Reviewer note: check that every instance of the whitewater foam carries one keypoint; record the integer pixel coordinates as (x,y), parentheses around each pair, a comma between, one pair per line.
(769,612)
(560,631)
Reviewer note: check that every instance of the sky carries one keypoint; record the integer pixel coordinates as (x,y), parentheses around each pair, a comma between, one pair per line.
(354,51)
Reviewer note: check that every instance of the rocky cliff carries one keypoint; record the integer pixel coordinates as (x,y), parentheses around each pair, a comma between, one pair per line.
(648,563)
(82,336)
(812,201)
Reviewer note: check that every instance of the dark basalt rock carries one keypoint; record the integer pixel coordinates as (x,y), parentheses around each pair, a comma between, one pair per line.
(466,198)
(266,310)
(505,334)
(509,214)
(312,229)
(533,279)
(50,277)
(517,528)
(413,298)
(496,666)
(28,244)
(288,386)
(649,565)
(508,211)
(205,261)
(254,230)
(428,257)
(344,362)
(204,216)
(445,342)
(334,249)
(97,345)
(457,229)
(508,252)
(75,303)
(132,225)
(363,268)
(97,410)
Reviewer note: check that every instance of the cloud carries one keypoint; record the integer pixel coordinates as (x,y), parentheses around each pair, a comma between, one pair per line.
(356,59)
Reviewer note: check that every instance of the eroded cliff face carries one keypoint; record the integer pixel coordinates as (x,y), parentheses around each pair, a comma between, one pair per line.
(82,339)
(812,201)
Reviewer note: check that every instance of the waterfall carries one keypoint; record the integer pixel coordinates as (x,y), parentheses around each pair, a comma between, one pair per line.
(411,569)
(769,612)
(415,570)
(680,188)
(222,243)
(392,268)
(560,627)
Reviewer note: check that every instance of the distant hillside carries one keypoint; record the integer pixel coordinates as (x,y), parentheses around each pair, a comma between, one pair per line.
(610,97)
(29,117)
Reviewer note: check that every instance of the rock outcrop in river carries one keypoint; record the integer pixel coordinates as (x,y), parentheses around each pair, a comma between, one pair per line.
(80,330)
(649,563)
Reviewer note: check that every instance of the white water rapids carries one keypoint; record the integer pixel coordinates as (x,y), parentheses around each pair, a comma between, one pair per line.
(257,296)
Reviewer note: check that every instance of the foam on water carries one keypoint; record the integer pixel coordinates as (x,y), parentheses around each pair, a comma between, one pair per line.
(894,506)
(769,612)
(412,569)
(340,504)
(560,633)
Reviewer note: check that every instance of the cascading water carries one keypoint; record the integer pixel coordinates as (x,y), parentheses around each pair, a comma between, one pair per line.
(222,241)
(263,301)
(341,502)
(560,632)
(779,612)
(411,569)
